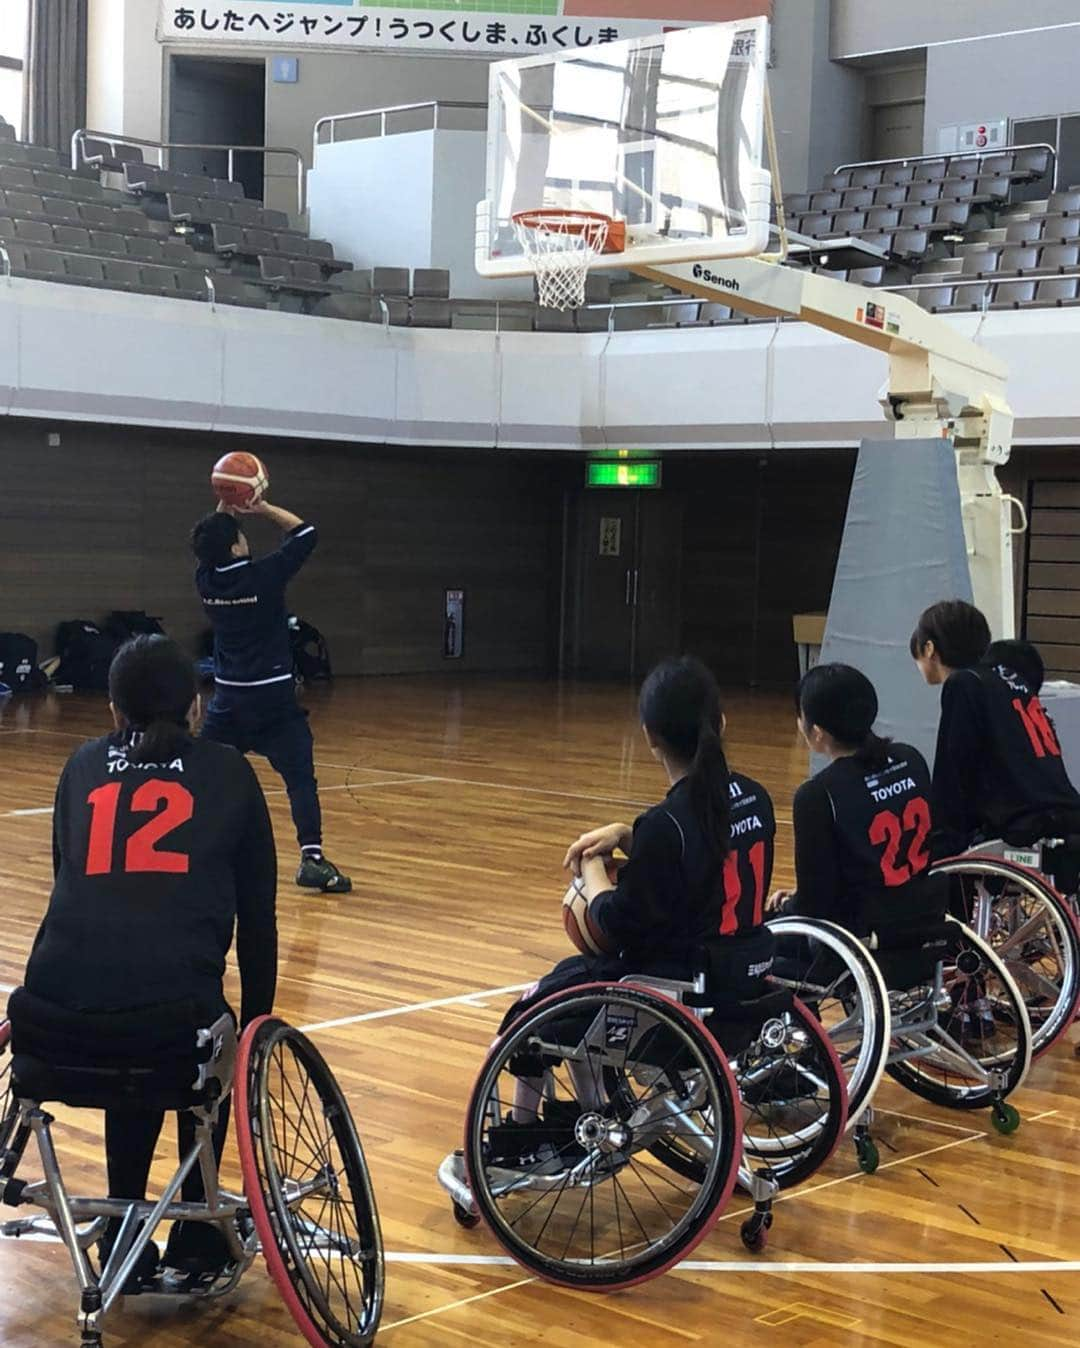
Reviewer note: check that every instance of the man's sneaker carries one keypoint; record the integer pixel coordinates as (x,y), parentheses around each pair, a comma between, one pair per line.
(321,873)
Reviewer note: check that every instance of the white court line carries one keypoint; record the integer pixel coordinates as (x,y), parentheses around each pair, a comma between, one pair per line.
(463,998)
(767,1266)
(357,786)
(24,814)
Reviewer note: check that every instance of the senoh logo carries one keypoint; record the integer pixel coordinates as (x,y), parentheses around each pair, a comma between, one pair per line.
(713,279)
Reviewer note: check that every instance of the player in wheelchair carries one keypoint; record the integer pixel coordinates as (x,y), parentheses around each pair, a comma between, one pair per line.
(1002,793)
(934,1006)
(604,1134)
(162,847)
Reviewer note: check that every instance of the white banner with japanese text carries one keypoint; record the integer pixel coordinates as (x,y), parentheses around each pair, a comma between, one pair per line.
(496,28)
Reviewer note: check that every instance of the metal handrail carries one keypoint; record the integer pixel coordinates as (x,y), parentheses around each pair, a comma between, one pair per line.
(79,138)
(332,119)
(956,154)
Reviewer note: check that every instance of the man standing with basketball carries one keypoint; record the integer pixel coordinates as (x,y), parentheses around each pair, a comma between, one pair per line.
(254,707)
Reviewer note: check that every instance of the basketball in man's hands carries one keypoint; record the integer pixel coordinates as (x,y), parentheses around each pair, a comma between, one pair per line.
(240,480)
(585,934)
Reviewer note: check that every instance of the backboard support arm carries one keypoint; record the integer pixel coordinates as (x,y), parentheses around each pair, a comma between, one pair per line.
(940,384)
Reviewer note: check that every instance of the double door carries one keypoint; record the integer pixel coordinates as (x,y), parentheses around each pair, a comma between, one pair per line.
(626,604)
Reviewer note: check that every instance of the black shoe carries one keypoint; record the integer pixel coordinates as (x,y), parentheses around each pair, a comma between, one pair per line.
(321,873)
(145,1270)
(197,1248)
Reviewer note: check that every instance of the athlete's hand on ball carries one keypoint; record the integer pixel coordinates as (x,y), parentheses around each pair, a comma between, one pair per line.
(775,902)
(598,842)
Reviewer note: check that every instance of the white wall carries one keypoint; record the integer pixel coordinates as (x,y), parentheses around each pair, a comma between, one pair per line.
(861,27)
(1025,75)
(99,355)
(105,47)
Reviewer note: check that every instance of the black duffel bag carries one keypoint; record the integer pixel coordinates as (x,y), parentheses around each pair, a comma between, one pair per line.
(19,663)
(85,656)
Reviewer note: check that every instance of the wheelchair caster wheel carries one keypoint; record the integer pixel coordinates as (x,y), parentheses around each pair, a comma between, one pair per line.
(1005,1117)
(465,1218)
(755,1231)
(867,1153)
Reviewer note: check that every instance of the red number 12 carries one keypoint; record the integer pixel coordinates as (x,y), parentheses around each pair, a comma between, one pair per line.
(141,854)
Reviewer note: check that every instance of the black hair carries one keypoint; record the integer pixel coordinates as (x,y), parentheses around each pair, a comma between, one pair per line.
(213,539)
(680,707)
(842,701)
(1019,656)
(958,630)
(152,685)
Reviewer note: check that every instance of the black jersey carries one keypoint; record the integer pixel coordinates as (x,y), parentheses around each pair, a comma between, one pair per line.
(671,897)
(862,841)
(245,603)
(998,768)
(154,864)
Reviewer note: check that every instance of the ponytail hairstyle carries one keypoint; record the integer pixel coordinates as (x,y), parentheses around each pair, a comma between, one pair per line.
(680,708)
(958,630)
(152,686)
(842,701)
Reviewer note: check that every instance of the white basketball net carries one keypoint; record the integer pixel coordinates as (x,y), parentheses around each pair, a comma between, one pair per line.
(561,249)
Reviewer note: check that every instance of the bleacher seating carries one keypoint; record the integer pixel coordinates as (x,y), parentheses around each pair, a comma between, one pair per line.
(951,236)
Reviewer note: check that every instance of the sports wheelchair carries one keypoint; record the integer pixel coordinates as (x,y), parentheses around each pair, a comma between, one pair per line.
(308,1203)
(1010,897)
(932,1005)
(636,1134)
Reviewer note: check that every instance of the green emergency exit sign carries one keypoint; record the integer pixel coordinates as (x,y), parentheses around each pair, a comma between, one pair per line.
(624,473)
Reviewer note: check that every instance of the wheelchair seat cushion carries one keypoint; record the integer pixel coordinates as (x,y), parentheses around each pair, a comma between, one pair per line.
(145,1057)
(736,1025)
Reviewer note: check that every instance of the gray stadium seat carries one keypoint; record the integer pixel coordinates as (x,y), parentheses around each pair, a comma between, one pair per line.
(122,275)
(390,280)
(15,176)
(922,194)
(883,217)
(867,276)
(45,263)
(1064,203)
(891,194)
(815,225)
(917,217)
(930,171)
(964,166)
(997,166)
(429,313)
(848,222)
(859,198)
(1018,257)
(989,188)
(34,232)
(898,174)
(836,182)
(353,308)
(910,243)
(108,243)
(71,238)
(866,177)
(228,239)
(934,297)
(64,212)
(1058,228)
(1057,257)
(950,217)
(354,282)
(24,203)
(825,202)
(434,283)
(1025,231)
(958,190)
(980,261)
(553,320)
(1058,290)
(970,297)
(87,270)
(798,204)
(235,290)
(1031,164)
(1012,294)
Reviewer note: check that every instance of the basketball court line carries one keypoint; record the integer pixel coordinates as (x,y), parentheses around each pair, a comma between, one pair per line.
(462,998)
(760,1266)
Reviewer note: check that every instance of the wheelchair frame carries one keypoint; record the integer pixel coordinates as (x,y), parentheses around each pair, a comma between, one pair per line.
(80,1222)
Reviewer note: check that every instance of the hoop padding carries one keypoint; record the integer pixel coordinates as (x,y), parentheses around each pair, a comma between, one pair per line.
(561,245)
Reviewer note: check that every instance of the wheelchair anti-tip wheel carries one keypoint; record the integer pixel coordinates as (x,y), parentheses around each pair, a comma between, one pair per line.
(308,1186)
(979,1050)
(1034,931)
(572,1191)
(833,973)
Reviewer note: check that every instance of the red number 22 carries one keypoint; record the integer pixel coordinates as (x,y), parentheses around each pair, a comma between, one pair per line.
(141,854)
(888,830)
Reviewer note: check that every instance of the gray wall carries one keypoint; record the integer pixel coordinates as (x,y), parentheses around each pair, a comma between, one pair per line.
(860,27)
(1023,75)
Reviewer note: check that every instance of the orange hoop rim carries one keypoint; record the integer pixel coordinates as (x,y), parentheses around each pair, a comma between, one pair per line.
(574,221)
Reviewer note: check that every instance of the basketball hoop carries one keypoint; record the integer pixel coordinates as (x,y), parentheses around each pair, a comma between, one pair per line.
(561,245)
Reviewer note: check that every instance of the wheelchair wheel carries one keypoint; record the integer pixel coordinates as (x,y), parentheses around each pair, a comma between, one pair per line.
(834,974)
(307,1183)
(794,1096)
(574,1192)
(7,1101)
(977,1049)
(1034,931)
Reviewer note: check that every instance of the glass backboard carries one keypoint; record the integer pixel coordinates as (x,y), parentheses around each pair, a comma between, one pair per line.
(664,133)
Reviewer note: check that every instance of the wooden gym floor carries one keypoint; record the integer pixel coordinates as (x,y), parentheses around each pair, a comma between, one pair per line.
(450,802)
